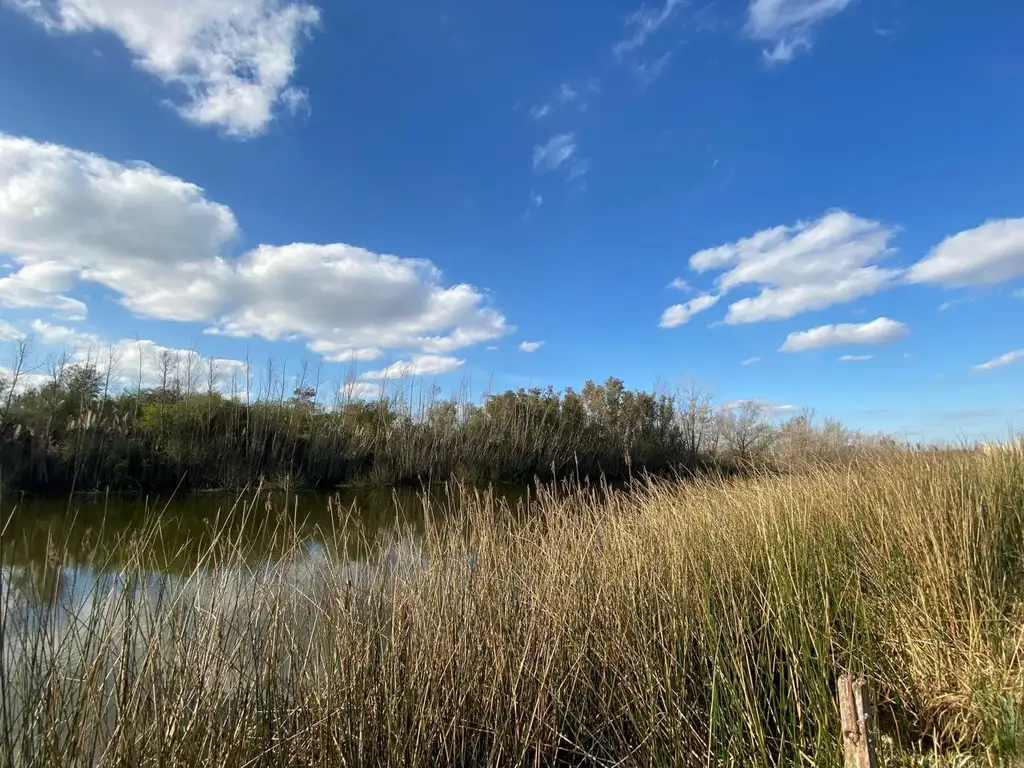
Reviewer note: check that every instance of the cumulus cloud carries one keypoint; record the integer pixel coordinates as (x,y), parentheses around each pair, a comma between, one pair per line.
(540,111)
(751,361)
(881,330)
(233,59)
(136,361)
(40,286)
(1009,358)
(807,266)
(788,25)
(22,381)
(986,255)
(161,246)
(142,362)
(855,358)
(63,336)
(131,362)
(680,314)
(531,346)
(419,365)
(340,353)
(680,285)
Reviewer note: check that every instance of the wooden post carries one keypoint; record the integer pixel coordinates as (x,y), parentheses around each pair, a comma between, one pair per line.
(858,720)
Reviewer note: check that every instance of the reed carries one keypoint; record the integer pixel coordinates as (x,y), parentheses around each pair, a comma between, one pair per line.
(687,624)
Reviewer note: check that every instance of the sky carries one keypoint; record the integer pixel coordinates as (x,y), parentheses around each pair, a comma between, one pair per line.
(804,203)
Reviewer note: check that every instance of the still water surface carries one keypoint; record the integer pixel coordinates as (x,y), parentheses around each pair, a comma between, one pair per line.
(60,559)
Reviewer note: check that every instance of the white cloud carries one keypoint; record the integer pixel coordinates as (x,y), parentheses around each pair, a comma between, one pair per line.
(419,365)
(63,336)
(566,93)
(358,390)
(26,380)
(143,362)
(132,362)
(788,24)
(771,409)
(531,346)
(8,332)
(751,361)
(643,23)
(881,330)
(986,255)
(340,353)
(807,266)
(579,168)
(40,286)
(540,111)
(648,71)
(855,358)
(783,303)
(234,59)
(157,243)
(680,314)
(352,299)
(1009,358)
(558,150)
(680,285)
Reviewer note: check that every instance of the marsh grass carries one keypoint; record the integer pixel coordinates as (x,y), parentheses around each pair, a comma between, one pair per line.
(700,623)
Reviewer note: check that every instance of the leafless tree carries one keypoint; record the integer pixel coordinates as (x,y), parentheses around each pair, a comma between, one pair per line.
(167,371)
(746,430)
(19,366)
(696,416)
(193,372)
(213,374)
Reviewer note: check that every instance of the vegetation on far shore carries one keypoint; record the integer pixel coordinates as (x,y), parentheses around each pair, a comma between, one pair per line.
(81,430)
(672,624)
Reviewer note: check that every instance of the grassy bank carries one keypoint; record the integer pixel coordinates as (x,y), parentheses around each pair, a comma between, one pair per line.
(699,624)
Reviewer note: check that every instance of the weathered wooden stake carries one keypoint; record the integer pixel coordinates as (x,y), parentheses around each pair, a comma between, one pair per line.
(858,719)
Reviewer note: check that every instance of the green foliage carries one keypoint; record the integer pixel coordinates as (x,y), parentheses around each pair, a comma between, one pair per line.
(74,433)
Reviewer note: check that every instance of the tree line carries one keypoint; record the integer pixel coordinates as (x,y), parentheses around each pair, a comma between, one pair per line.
(82,428)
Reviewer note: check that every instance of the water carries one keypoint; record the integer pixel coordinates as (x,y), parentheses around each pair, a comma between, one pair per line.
(106,589)
(81,525)
(61,560)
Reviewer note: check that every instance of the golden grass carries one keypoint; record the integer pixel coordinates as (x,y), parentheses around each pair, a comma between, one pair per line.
(699,624)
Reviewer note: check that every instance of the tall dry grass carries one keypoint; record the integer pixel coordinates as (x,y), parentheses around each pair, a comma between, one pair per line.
(693,624)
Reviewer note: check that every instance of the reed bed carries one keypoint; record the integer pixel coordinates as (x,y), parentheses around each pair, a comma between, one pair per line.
(686,624)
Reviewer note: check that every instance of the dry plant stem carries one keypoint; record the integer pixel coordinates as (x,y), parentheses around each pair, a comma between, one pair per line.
(685,624)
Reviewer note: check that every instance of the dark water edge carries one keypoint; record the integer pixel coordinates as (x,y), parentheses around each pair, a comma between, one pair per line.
(76,530)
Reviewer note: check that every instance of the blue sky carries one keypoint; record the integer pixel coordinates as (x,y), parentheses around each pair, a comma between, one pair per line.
(810,203)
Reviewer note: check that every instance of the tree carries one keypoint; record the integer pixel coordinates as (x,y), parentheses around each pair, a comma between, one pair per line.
(17,369)
(696,419)
(746,430)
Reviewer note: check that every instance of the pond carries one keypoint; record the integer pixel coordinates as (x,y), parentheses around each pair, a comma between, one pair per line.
(59,559)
